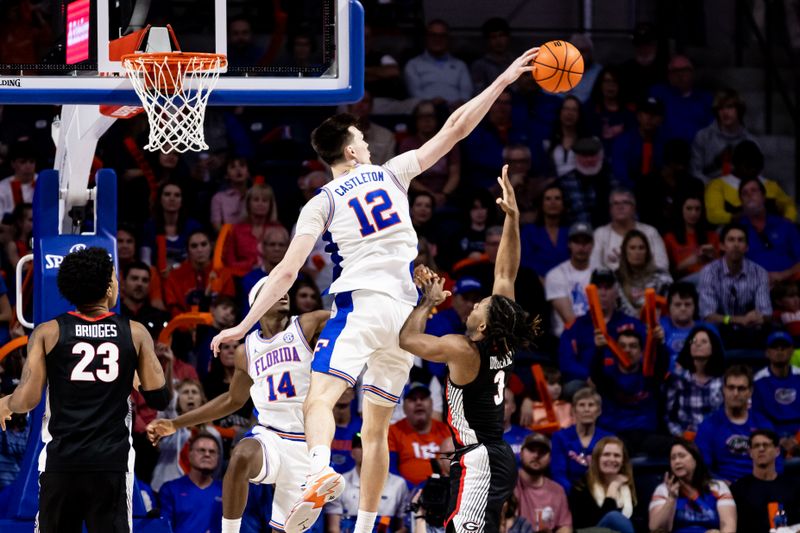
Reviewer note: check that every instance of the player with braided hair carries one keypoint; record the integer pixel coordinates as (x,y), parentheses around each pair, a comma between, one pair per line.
(484,470)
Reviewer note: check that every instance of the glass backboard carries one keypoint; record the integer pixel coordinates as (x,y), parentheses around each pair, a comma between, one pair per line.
(280,52)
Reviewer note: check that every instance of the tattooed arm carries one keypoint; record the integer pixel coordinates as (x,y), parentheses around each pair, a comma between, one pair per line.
(34,374)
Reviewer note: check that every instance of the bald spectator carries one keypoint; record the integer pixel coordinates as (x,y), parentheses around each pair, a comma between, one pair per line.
(272,248)
(436,74)
(688,109)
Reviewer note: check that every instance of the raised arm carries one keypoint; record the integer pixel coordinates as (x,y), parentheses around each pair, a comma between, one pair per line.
(34,374)
(278,283)
(153,386)
(508,253)
(465,118)
(220,407)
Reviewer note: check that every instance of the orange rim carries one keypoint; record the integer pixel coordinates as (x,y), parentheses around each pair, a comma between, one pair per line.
(207,61)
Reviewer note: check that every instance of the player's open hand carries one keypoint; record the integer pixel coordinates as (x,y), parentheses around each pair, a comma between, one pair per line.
(159,428)
(225,336)
(433,291)
(508,202)
(5,411)
(422,274)
(522,64)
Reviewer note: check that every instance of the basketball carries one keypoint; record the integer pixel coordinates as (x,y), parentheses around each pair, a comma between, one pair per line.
(558,67)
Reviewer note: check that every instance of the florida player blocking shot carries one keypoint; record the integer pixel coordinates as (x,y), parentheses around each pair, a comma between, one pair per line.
(87,359)
(484,469)
(273,367)
(363,215)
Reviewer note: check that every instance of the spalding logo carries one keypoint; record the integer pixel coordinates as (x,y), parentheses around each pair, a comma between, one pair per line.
(77,247)
(52,261)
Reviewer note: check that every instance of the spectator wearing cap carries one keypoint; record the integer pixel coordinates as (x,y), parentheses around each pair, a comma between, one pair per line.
(576,348)
(228,206)
(774,242)
(565,285)
(722,193)
(544,242)
(436,74)
(712,148)
(755,492)
(776,391)
(382,145)
(340,514)
(572,446)
(734,293)
(631,398)
(647,67)
(497,37)
(638,153)
(687,108)
(607,251)
(723,437)
(542,501)
(18,188)
(586,188)
(414,440)
(591,68)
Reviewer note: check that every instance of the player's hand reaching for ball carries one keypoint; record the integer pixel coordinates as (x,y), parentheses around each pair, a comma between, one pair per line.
(422,274)
(508,202)
(433,292)
(5,411)
(522,64)
(159,428)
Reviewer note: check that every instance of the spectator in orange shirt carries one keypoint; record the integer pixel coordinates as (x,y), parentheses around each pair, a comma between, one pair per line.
(241,248)
(415,440)
(195,283)
(691,243)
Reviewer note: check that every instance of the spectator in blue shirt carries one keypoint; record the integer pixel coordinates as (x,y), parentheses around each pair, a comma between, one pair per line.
(193,503)
(724,435)
(513,434)
(436,74)
(572,446)
(544,243)
(347,426)
(774,242)
(687,109)
(577,348)
(631,405)
(776,391)
(682,302)
(638,153)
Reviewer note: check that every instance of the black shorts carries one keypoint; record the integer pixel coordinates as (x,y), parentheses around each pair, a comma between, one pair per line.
(481,480)
(67,500)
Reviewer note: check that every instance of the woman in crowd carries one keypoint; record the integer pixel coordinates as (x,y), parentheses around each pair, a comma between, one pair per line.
(241,247)
(606,496)
(544,243)
(167,231)
(637,271)
(692,243)
(694,388)
(228,205)
(304,297)
(689,501)
(480,209)
(567,129)
(607,114)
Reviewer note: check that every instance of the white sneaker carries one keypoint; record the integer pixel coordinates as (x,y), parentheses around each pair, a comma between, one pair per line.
(320,488)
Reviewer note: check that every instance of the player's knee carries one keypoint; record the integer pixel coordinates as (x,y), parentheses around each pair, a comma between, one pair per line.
(374,435)
(245,459)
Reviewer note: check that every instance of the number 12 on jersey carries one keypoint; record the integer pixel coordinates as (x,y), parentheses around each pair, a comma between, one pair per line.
(380,219)
(285,387)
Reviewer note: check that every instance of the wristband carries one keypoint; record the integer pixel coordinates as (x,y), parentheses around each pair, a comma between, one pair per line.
(726,320)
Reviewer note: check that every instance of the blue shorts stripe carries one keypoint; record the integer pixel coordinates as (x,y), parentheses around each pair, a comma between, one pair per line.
(381,393)
(331,332)
(276,525)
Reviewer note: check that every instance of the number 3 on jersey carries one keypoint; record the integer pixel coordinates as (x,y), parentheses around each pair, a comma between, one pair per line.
(500,381)
(380,219)
(285,387)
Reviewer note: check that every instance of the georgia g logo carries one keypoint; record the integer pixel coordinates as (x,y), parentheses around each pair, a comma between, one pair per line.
(470,526)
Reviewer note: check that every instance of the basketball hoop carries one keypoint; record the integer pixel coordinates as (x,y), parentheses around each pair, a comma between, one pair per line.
(174,88)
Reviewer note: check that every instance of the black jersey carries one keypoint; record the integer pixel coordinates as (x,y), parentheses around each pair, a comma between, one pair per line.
(88,415)
(475,411)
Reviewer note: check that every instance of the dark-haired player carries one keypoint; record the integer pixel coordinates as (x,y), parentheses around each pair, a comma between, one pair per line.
(88,359)
(363,215)
(484,468)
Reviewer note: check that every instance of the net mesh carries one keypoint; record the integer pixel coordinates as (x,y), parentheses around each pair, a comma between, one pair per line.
(174,88)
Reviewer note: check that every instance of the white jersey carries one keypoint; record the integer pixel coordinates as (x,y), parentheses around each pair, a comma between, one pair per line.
(280,368)
(363,216)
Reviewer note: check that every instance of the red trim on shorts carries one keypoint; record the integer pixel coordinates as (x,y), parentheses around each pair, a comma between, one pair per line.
(450,417)
(460,491)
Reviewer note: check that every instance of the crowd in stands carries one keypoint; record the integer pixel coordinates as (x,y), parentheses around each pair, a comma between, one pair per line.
(636,180)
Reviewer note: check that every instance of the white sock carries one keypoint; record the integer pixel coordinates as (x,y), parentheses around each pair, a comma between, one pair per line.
(320,458)
(230,525)
(365,522)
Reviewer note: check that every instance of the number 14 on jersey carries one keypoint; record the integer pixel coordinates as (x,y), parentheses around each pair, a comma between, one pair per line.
(285,386)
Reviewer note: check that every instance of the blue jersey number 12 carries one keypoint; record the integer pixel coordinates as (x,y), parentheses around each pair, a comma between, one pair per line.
(380,219)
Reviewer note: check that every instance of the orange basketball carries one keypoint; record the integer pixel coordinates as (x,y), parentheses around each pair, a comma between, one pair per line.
(558,67)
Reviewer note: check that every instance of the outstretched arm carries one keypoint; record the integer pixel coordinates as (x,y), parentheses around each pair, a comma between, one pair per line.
(412,336)
(278,283)
(508,253)
(465,118)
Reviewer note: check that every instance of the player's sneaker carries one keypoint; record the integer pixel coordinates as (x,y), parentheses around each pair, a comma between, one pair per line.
(321,488)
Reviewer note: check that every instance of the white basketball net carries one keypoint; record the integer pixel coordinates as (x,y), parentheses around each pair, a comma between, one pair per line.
(174,88)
